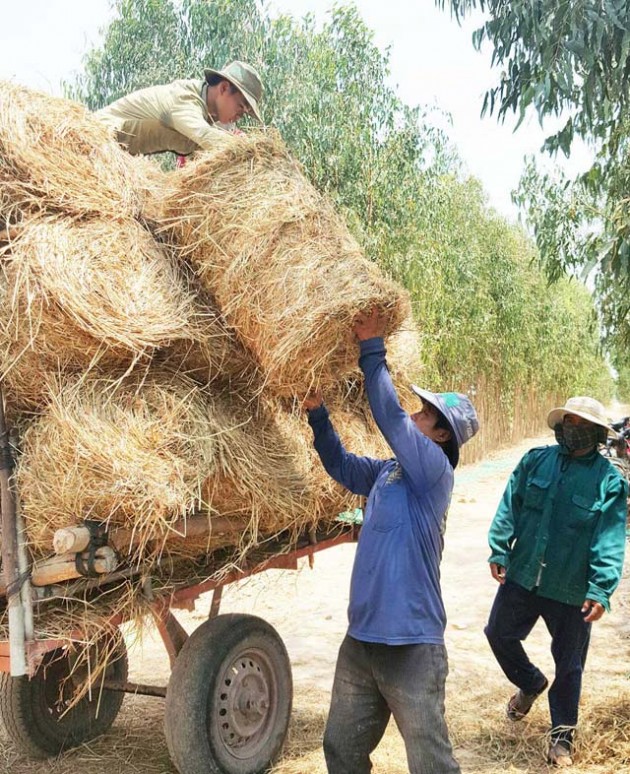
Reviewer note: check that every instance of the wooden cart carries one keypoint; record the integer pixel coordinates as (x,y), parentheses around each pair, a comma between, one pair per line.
(229,696)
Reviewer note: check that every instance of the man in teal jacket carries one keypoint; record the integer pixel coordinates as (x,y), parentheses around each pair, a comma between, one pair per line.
(557,543)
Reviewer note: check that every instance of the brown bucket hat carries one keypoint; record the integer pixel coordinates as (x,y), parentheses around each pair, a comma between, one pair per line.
(246,80)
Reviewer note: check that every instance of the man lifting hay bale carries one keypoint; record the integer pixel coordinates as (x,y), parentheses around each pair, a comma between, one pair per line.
(393,659)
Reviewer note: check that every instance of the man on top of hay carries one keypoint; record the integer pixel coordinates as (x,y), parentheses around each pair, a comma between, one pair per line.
(557,543)
(393,658)
(185,115)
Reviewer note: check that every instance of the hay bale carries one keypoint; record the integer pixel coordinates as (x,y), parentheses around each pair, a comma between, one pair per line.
(327,497)
(56,156)
(405,367)
(220,360)
(102,293)
(283,267)
(131,453)
(265,470)
(359,435)
(404,353)
(141,453)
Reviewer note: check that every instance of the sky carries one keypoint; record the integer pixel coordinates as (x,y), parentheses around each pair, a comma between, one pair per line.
(432,62)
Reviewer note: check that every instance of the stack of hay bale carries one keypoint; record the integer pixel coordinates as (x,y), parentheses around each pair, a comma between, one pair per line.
(158,331)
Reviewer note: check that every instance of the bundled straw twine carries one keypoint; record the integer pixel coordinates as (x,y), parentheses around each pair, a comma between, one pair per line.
(130,453)
(284,269)
(94,292)
(55,156)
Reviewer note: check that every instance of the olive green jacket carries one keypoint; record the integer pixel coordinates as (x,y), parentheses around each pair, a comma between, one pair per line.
(561,526)
(172,117)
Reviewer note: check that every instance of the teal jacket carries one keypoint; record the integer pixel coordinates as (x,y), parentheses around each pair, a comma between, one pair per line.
(561,526)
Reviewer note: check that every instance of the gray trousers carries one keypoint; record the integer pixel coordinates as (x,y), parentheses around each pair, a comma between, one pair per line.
(373,682)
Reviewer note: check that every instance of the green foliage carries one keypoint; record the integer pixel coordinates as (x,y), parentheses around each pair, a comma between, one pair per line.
(559,57)
(484,308)
(558,211)
(128,61)
(571,59)
(487,309)
(577,233)
(623,384)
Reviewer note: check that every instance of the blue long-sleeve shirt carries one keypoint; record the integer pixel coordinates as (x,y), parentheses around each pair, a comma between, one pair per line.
(395,594)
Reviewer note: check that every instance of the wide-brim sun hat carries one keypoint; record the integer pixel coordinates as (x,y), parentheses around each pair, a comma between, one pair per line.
(246,80)
(581,406)
(458,412)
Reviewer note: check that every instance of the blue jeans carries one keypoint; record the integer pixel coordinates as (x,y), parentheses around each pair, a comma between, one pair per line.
(374,681)
(513,615)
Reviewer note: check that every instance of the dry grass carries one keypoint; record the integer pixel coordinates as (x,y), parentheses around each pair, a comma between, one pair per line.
(602,744)
(216,357)
(219,360)
(131,453)
(96,292)
(56,157)
(145,450)
(282,266)
(136,744)
(291,423)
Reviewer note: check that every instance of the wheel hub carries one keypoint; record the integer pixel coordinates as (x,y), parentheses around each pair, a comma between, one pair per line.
(244,703)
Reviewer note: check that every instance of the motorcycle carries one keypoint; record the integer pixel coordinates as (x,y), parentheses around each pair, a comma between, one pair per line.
(620,445)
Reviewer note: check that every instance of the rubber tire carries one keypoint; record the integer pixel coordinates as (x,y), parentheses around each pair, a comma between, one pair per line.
(29,708)
(201,687)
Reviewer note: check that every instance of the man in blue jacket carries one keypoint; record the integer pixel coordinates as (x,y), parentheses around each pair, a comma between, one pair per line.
(393,659)
(557,543)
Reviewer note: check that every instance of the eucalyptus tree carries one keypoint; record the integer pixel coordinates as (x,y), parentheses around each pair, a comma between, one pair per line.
(570,60)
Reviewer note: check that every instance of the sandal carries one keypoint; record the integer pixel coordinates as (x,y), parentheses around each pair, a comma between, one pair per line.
(521,703)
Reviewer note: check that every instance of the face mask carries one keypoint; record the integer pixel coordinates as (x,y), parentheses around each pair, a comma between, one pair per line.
(578,437)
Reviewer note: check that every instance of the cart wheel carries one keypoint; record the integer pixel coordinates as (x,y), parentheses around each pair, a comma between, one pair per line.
(35,711)
(228,701)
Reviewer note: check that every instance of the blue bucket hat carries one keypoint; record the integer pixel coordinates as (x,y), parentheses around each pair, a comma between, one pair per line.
(459,413)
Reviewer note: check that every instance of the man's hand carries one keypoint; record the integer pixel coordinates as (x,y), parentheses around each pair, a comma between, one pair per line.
(369,325)
(313,400)
(497,572)
(594,609)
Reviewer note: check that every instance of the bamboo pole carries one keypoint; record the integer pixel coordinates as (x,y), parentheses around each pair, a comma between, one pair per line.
(74,539)
(26,592)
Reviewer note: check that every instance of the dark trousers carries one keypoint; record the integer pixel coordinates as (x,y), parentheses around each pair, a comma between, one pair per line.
(372,682)
(513,615)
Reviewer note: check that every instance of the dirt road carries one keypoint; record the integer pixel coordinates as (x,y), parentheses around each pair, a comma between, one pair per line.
(308,609)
